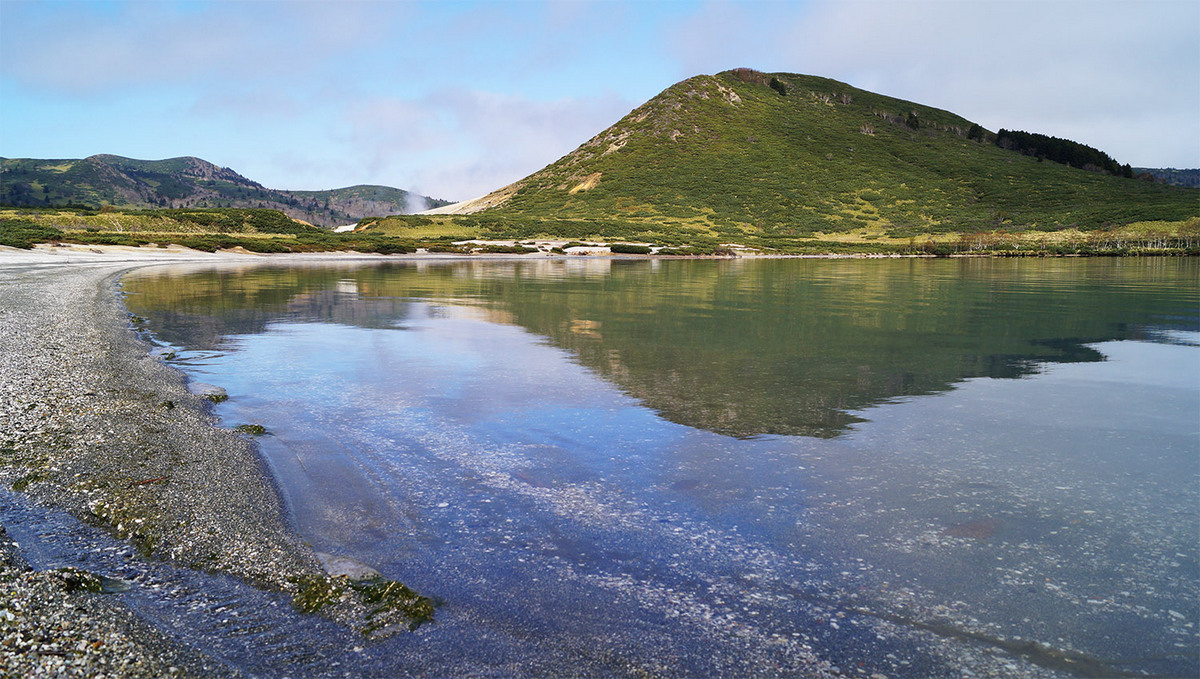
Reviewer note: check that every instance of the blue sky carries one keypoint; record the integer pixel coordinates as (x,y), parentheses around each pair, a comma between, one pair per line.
(454,99)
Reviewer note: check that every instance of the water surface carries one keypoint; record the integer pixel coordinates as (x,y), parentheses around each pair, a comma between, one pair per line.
(699,468)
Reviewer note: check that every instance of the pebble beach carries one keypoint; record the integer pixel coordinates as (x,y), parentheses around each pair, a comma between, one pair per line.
(92,424)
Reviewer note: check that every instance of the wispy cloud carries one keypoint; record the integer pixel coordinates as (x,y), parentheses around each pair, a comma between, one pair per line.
(85,48)
(468,142)
(1074,69)
(458,98)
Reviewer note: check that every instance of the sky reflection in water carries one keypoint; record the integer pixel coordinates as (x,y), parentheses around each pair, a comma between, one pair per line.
(710,466)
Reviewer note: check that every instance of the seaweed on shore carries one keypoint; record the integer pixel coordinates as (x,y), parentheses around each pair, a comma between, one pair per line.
(374,606)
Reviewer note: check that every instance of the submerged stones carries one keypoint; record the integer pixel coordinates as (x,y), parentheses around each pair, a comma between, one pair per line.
(979,529)
(76,579)
(97,431)
(358,595)
(163,353)
(344,566)
(209,392)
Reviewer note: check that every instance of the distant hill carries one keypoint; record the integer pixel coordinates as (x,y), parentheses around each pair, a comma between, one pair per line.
(785,155)
(1189,178)
(187,183)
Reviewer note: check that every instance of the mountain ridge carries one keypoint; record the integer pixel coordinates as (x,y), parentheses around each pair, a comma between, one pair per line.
(186,182)
(781,154)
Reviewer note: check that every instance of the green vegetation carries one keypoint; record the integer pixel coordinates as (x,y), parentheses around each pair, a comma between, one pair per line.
(209,230)
(725,158)
(126,183)
(776,163)
(741,348)
(629,249)
(33,477)
(266,231)
(23,233)
(76,580)
(1062,151)
(200,221)
(507,249)
(384,603)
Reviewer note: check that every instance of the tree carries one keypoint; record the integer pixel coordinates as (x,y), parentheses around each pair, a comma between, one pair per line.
(779,87)
(1059,150)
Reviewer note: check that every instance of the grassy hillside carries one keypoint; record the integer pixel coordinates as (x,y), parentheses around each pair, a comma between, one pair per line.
(783,156)
(186,183)
(774,162)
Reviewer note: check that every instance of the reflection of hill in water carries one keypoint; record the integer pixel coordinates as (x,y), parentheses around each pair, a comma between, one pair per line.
(737,347)
(197,307)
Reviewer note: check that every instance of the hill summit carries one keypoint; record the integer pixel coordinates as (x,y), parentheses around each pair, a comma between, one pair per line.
(187,182)
(792,155)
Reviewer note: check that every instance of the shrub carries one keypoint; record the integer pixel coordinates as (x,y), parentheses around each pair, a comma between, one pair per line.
(685,252)
(385,247)
(629,249)
(265,245)
(103,238)
(22,233)
(508,249)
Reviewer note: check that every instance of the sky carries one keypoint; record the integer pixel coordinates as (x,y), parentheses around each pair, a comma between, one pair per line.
(455,99)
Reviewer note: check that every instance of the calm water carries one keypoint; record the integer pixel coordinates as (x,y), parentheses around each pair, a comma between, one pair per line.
(700,468)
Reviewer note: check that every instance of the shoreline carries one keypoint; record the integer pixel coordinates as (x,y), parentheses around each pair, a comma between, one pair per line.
(64,254)
(84,427)
(91,424)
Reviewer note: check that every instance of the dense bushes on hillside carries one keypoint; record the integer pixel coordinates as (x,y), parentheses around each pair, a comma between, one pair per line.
(22,233)
(629,249)
(1062,151)
(726,157)
(234,220)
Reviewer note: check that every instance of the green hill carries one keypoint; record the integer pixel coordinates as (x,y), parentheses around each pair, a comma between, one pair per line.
(779,156)
(185,183)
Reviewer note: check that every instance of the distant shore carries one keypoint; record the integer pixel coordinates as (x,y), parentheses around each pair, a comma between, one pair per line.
(75,254)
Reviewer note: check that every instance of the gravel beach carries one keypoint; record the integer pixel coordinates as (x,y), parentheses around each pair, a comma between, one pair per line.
(93,424)
(90,423)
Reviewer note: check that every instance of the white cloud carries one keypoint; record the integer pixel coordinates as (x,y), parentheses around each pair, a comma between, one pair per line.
(460,144)
(725,35)
(1121,76)
(458,99)
(89,49)
(1112,75)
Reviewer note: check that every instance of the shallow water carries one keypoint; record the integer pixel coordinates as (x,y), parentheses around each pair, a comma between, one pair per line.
(698,468)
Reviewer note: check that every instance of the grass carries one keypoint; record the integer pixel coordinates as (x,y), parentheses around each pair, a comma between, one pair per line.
(699,159)
(1141,237)
(130,184)
(383,603)
(858,231)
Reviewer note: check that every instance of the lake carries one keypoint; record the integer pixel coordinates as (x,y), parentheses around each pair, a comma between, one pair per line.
(606,467)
